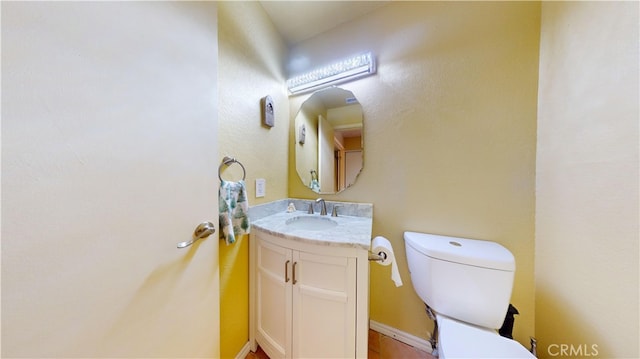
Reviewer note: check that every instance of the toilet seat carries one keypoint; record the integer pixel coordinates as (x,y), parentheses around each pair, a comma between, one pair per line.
(462,340)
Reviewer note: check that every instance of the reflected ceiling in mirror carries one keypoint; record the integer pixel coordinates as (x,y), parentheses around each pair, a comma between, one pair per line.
(328,140)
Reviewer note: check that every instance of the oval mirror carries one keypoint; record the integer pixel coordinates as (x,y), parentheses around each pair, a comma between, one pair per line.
(329,143)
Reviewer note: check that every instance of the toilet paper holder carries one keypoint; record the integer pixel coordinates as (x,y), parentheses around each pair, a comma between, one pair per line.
(381,256)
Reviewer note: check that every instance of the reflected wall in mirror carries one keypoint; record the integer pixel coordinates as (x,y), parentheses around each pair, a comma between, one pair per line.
(329,143)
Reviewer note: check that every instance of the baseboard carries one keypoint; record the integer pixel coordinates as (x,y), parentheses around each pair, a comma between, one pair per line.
(397,334)
(244,351)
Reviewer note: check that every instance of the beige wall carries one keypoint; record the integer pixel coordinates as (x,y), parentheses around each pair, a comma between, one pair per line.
(251,67)
(587,180)
(107,120)
(449,135)
(251,58)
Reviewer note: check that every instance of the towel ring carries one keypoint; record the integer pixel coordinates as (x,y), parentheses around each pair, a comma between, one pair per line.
(228,161)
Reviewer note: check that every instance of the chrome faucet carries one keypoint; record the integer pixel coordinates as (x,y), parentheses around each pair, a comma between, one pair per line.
(323,209)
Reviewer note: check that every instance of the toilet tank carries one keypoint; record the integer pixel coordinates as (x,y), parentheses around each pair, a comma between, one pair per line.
(466,279)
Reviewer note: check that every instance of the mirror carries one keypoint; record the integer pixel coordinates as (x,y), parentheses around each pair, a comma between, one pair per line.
(328,140)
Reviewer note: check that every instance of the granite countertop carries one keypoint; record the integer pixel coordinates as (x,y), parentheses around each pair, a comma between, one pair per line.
(353,228)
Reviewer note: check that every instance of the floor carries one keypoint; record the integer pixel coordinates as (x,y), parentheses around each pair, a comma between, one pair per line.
(380,347)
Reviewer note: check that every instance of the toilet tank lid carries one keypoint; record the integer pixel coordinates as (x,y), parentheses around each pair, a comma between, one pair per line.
(475,252)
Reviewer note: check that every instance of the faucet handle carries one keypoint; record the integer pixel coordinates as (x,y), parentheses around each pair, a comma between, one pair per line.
(334,212)
(310,210)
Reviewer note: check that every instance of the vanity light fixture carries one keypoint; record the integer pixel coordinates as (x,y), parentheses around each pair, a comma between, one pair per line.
(341,71)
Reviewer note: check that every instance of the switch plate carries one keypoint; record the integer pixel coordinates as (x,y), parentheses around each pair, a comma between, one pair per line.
(261,187)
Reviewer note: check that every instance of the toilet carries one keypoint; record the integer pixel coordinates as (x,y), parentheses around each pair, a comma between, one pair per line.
(466,284)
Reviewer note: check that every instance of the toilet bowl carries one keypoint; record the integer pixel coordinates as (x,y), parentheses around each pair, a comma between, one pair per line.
(467,283)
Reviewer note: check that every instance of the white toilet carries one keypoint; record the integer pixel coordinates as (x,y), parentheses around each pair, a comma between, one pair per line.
(467,283)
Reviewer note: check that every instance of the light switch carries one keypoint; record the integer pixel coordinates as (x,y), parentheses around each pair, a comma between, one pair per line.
(261,187)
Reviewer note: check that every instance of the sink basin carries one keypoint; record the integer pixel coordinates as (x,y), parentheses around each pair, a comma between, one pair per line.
(309,223)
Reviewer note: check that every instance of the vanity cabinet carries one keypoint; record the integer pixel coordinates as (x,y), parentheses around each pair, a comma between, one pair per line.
(307,301)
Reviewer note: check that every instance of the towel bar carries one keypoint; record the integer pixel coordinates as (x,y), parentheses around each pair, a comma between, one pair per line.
(228,161)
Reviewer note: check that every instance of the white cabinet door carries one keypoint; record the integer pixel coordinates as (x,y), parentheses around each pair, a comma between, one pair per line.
(273,305)
(305,303)
(324,306)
